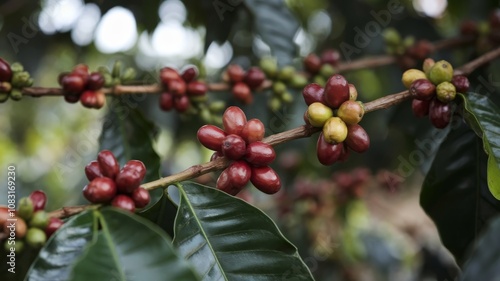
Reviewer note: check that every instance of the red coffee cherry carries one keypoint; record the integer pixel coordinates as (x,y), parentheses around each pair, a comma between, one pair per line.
(88,99)
(141,197)
(100,190)
(461,83)
(5,71)
(100,99)
(239,173)
(439,114)
(327,153)
(96,81)
(235,73)
(421,50)
(53,226)
(420,108)
(422,89)
(469,28)
(73,83)
(181,103)
(254,77)
(189,73)
(39,200)
(168,74)
(357,138)
(265,179)
(312,63)
(345,153)
(196,88)
(336,91)
(253,131)
(166,101)
(71,98)
(177,87)
(82,70)
(136,165)
(93,170)
(260,154)
(242,93)
(233,147)
(216,155)
(108,163)
(128,180)
(233,120)
(313,93)
(123,202)
(330,56)
(211,137)
(224,184)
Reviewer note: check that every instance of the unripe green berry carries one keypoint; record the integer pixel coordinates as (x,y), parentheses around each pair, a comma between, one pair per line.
(408,41)
(286,73)
(18,246)
(446,92)
(326,71)
(391,36)
(117,68)
(16,94)
(129,74)
(335,130)
(20,79)
(206,115)
(411,75)
(269,66)
(36,237)
(217,106)
(298,81)
(25,208)
(108,79)
(351,112)
(103,70)
(198,99)
(427,65)
(39,219)
(287,97)
(318,114)
(320,80)
(274,104)
(279,87)
(4,97)
(441,71)
(16,67)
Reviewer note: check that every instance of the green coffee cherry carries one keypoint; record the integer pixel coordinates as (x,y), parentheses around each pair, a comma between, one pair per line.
(16,67)
(441,71)
(4,97)
(129,74)
(108,79)
(286,73)
(198,99)
(287,97)
(408,41)
(16,94)
(411,75)
(18,246)
(103,70)
(391,36)
(39,219)
(20,79)
(270,66)
(446,92)
(206,115)
(298,81)
(36,237)
(117,68)
(279,87)
(320,80)
(274,104)
(217,106)
(25,209)
(326,71)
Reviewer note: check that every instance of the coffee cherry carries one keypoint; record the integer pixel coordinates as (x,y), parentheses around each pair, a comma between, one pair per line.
(216,155)
(494,19)
(211,137)
(265,179)
(420,108)
(39,200)
(357,138)
(336,91)
(335,130)
(108,164)
(96,81)
(36,238)
(326,71)
(18,246)
(427,65)
(141,197)
(469,28)
(177,87)
(330,56)
(327,153)
(93,170)
(136,165)
(123,202)
(318,113)
(196,88)
(233,120)
(128,180)
(224,184)
(71,98)
(181,103)
(4,215)
(100,190)
(233,147)
(421,49)
(313,93)
(260,154)
(20,230)
(166,101)
(5,71)
(254,77)
(422,89)
(189,73)
(439,114)
(81,69)
(353,93)
(351,112)
(344,154)
(269,65)
(312,63)
(286,73)
(100,99)
(239,173)
(411,75)
(168,74)
(446,92)
(53,226)
(461,83)
(235,73)
(441,71)
(242,93)
(73,83)
(25,208)
(40,219)
(253,131)
(88,99)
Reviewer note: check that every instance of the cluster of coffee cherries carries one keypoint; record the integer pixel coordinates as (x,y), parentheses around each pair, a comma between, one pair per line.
(334,109)
(181,88)
(433,89)
(322,67)
(241,142)
(487,33)
(80,85)
(109,184)
(13,79)
(31,223)
(407,50)
(243,82)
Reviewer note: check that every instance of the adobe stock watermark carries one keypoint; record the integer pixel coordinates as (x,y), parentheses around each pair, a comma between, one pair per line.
(372,29)
(221,7)
(11,222)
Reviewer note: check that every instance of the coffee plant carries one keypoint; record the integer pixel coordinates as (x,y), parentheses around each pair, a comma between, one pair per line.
(276,163)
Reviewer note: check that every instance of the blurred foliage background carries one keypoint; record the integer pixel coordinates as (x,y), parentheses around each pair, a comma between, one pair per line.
(381,235)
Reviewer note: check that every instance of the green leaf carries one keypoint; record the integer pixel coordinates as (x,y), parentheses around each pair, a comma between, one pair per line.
(129,248)
(484,260)
(483,116)
(228,239)
(130,136)
(277,26)
(57,256)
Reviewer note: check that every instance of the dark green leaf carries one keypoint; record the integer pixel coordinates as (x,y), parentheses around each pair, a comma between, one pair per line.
(162,214)
(483,116)
(228,239)
(277,26)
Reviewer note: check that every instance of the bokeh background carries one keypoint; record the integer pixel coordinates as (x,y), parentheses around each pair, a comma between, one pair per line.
(379,234)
